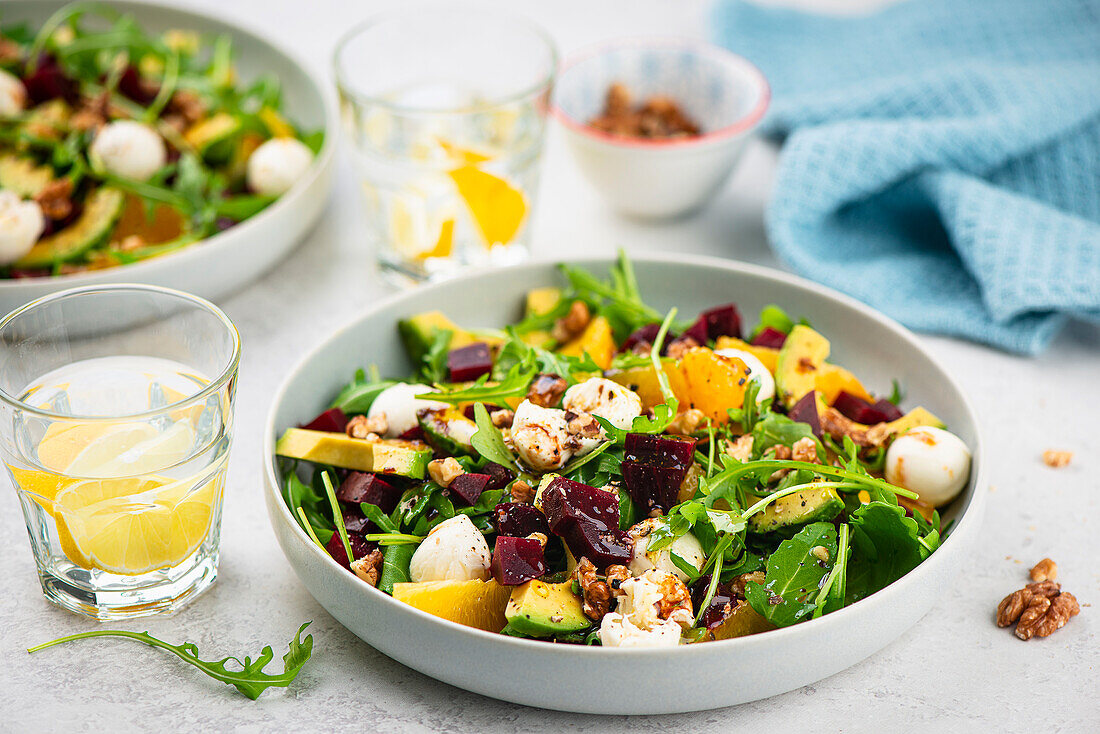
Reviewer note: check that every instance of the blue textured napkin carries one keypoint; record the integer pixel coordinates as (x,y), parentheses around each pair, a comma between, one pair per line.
(942,158)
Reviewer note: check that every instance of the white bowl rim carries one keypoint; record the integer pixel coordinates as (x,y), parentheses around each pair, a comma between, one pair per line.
(135,271)
(728,58)
(967,522)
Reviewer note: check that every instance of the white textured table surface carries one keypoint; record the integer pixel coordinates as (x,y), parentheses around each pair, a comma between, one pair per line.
(954,671)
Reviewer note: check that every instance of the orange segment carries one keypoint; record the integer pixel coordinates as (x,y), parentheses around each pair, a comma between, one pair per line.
(498,207)
(643,380)
(768,356)
(715,383)
(831,379)
(742,621)
(473,603)
(597,340)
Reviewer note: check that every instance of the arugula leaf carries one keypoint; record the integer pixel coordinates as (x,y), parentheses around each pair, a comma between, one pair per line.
(513,385)
(775,317)
(896,395)
(395,566)
(618,301)
(358,395)
(751,412)
(794,576)
(831,596)
(433,366)
(251,680)
(299,495)
(777,429)
(374,513)
(886,545)
(488,441)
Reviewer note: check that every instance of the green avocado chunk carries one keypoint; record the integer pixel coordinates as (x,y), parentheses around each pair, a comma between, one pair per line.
(388,456)
(211,136)
(102,209)
(418,332)
(799,360)
(539,609)
(448,430)
(23,175)
(788,514)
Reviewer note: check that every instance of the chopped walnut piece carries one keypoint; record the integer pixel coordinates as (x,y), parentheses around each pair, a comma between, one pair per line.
(445,471)
(129,243)
(573,323)
(581,426)
(1039,609)
(55,198)
(679,347)
(596,592)
(10,51)
(188,105)
(502,418)
(741,449)
(1044,570)
(838,425)
(616,575)
(805,449)
(369,567)
(738,583)
(92,113)
(675,601)
(1057,459)
(657,117)
(361,426)
(688,422)
(782,452)
(540,537)
(521,491)
(546,390)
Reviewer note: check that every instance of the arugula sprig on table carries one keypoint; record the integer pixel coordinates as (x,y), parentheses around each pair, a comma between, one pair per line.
(250,680)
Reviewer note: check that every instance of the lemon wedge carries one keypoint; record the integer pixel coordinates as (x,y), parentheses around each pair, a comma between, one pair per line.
(498,208)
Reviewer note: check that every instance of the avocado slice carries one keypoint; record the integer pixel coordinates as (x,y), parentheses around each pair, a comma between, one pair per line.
(211,136)
(539,609)
(391,456)
(102,208)
(788,514)
(800,358)
(418,332)
(915,418)
(542,300)
(23,175)
(448,430)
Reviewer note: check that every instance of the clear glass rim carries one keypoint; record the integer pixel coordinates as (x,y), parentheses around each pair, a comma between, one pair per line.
(215,385)
(544,83)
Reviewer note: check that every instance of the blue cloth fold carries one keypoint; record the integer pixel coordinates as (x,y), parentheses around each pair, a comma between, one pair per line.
(941,158)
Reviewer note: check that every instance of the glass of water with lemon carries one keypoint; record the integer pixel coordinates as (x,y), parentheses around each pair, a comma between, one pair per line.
(446,112)
(116,411)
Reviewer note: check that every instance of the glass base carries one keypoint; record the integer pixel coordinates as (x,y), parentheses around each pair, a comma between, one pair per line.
(163,592)
(405,273)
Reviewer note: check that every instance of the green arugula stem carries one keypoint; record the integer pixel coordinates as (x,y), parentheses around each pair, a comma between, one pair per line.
(718,556)
(658,368)
(791,490)
(337,515)
(393,538)
(751,467)
(309,529)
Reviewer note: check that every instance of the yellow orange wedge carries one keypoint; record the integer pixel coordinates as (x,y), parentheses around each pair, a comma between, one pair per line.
(474,603)
(498,208)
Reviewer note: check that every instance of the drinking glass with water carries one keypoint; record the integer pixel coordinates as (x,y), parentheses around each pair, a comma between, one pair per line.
(116,412)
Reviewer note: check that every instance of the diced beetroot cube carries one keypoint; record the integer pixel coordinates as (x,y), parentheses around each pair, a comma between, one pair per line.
(335,548)
(360,547)
(805,411)
(697,332)
(416,433)
(332,420)
(517,560)
(469,486)
(643,335)
(769,337)
(362,487)
(588,520)
(654,467)
(519,519)
(722,321)
(502,476)
(889,411)
(715,612)
(356,522)
(133,86)
(50,82)
(470,362)
(565,500)
(861,411)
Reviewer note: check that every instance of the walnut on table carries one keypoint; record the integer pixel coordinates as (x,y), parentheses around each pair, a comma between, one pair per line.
(1057,459)
(1041,608)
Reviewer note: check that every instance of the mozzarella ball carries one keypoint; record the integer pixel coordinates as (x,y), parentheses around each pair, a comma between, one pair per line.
(21,224)
(399,404)
(541,436)
(277,165)
(455,550)
(129,150)
(932,462)
(757,371)
(616,630)
(687,547)
(616,404)
(13,95)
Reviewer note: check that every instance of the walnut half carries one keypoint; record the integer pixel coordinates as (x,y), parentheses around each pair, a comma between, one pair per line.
(1038,610)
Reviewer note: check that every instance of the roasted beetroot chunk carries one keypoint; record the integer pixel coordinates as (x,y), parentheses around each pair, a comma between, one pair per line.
(722,321)
(50,82)
(588,520)
(644,335)
(332,420)
(362,487)
(502,476)
(360,547)
(519,520)
(517,560)
(468,487)
(133,86)
(769,337)
(470,362)
(717,611)
(861,411)
(696,332)
(805,411)
(654,467)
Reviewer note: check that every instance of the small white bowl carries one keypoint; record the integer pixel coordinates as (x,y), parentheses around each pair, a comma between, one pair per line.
(655,179)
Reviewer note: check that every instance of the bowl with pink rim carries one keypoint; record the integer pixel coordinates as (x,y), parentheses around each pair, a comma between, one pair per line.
(623,680)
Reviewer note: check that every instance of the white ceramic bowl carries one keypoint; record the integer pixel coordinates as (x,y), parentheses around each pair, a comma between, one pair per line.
(629,681)
(224,263)
(653,179)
